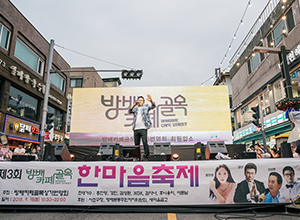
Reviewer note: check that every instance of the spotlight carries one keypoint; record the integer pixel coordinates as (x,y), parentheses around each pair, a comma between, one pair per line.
(72,157)
(175,157)
(284,17)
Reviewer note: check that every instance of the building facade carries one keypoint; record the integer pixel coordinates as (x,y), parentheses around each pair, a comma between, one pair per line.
(257,77)
(81,77)
(23,60)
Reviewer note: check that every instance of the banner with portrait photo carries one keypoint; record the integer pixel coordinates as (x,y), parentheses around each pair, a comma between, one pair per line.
(165,183)
(183,115)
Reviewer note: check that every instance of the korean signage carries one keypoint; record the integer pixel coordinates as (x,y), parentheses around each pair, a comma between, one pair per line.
(34,84)
(294,54)
(19,128)
(148,184)
(183,115)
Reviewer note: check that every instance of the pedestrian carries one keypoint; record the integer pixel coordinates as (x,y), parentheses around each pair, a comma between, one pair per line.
(142,122)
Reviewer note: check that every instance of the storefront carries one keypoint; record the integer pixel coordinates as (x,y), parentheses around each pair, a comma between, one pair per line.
(20,130)
(21,95)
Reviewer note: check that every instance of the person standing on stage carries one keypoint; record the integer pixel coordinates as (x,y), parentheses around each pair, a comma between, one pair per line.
(292,188)
(249,190)
(142,122)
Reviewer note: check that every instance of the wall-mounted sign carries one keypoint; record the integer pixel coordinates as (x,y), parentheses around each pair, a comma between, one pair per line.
(295,76)
(21,129)
(294,54)
(2,63)
(28,80)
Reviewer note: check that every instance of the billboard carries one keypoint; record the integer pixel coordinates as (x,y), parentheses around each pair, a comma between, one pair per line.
(183,115)
(155,183)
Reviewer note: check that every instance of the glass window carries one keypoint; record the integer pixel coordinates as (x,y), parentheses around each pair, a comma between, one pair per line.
(4,36)
(58,117)
(267,108)
(76,82)
(28,57)
(278,91)
(58,81)
(255,61)
(295,88)
(290,20)
(249,66)
(277,32)
(22,104)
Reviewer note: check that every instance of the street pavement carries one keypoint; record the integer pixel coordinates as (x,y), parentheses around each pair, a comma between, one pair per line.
(142,216)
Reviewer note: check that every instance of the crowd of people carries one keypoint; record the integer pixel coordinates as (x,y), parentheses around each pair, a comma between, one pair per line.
(22,149)
(273,152)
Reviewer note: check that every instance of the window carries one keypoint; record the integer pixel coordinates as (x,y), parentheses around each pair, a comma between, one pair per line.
(4,36)
(21,104)
(58,81)
(75,82)
(254,61)
(29,57)
(278,91)
(290,20)
(58,117)
(277,33)
(275,36)
(266,102)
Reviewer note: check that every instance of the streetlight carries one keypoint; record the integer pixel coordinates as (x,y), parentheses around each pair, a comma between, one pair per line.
(283,62)
(285,73)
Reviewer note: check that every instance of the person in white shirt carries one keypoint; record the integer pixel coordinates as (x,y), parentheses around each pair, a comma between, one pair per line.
(142,122)
(20,150)
(291,189)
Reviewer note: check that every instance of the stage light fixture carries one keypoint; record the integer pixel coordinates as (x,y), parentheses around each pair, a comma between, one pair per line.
(175,157)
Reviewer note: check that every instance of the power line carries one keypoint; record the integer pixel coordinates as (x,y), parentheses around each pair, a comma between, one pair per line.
(95,58)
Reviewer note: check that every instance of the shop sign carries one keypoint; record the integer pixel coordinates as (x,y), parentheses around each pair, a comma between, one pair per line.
(295,75)
(17,127)
(2,63)
(294,54)
(244,110)
(28,80)
(69,112)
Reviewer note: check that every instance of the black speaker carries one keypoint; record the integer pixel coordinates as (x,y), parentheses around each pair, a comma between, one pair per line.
(286,150)
(248,155)
(213,148)
(162,148)
(48,152)
(199,151)
(61,152)
(107,148)
(22,158)
(95,157)
(157,157)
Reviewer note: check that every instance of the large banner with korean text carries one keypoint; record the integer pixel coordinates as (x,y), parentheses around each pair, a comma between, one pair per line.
(149,183)
(183,115)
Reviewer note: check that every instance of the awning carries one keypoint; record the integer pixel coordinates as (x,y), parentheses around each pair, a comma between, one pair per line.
(282,136)
(281,128)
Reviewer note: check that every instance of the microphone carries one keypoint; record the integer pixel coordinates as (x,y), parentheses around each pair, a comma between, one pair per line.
(265,192)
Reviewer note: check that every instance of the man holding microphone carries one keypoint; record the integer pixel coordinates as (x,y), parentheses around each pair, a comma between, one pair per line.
(142,122)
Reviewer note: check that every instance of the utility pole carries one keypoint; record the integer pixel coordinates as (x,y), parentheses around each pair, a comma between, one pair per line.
(46,95)
(262,124)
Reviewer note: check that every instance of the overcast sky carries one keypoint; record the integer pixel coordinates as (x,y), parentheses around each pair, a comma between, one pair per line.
(175,42)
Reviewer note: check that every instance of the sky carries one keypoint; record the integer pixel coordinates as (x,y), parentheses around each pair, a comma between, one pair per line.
(174,42)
